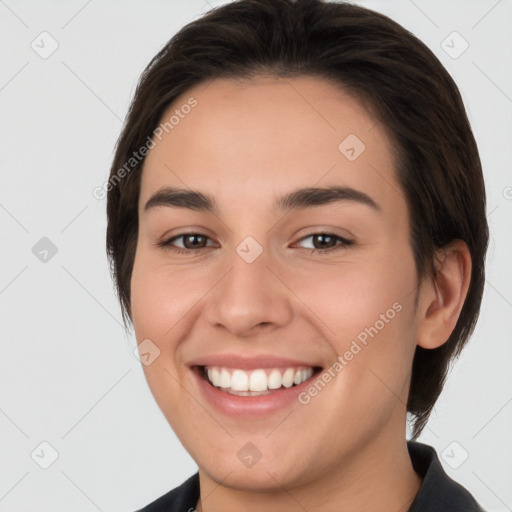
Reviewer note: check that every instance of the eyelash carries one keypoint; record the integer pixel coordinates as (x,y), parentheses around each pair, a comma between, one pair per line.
(167,244)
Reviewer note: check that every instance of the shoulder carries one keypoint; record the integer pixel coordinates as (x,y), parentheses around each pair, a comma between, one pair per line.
(438,492)
(182,498)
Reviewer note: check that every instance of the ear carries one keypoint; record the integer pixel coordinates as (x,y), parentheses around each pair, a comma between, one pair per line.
(442,297)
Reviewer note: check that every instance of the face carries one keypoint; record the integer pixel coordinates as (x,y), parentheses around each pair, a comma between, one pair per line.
(285,321)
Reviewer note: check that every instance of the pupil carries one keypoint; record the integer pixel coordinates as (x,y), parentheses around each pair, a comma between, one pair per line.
(192,237)
(323,237)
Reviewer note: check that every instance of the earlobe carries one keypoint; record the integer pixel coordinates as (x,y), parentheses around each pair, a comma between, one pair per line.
(443,296)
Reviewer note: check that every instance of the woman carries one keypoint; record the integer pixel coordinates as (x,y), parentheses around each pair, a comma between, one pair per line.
(297,231)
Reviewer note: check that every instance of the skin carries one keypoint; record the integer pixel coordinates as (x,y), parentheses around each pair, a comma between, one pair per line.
(245,143)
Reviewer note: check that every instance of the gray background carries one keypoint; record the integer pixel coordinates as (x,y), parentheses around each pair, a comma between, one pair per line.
(68,374)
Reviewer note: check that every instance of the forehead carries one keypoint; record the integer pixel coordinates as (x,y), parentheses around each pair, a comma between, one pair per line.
(251,140)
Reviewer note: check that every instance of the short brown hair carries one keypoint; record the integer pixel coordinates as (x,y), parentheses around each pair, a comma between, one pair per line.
(398,79)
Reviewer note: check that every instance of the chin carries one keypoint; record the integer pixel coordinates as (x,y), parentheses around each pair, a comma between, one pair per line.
(263,477)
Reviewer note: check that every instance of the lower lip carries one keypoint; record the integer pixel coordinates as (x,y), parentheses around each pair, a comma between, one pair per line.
(250,406)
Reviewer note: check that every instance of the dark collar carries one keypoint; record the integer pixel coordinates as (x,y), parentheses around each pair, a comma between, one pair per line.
(438,492)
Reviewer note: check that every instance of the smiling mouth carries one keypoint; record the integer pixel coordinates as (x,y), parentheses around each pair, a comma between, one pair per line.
(257,382)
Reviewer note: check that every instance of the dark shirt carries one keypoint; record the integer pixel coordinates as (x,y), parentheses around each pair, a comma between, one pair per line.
(438,492)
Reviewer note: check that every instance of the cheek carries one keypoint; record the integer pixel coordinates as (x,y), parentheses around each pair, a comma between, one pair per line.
(158,302)
(161,296)
(166,301)
(162,305)
(351,297)
(366,312)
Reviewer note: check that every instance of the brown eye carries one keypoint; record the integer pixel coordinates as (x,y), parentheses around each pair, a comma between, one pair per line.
(324,242)
(193,241)
(189,241)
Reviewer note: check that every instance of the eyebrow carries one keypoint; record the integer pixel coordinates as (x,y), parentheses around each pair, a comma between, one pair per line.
(297,199)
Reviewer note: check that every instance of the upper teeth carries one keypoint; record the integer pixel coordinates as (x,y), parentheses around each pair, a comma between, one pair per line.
(257,380)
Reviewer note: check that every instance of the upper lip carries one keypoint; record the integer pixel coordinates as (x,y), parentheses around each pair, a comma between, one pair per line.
(244,362)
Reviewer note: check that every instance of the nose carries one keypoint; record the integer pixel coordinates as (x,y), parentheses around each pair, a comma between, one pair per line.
(250,297)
